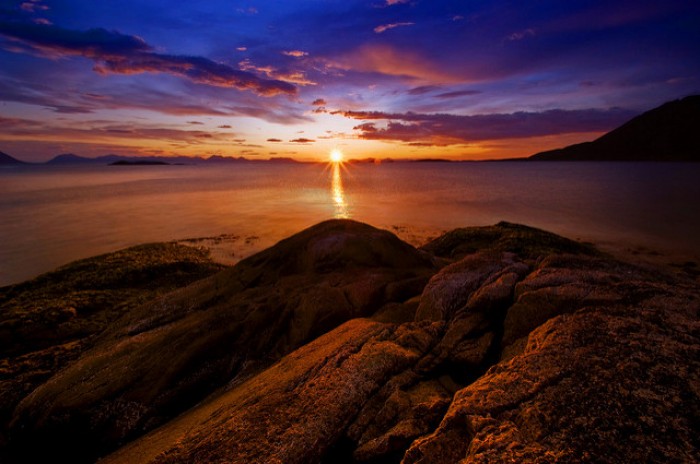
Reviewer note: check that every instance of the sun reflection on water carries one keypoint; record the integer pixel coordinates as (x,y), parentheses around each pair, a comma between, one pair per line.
(338,194)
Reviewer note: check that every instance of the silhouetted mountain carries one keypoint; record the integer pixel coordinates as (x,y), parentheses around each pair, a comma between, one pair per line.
(70,158)
(670,132)
(7,159)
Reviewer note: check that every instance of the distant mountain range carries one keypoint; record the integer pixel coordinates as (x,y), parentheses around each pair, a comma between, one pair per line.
(670,132)
(118,160)
(70,158)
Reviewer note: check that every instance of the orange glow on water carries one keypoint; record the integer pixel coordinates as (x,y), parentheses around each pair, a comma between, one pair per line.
(338,194)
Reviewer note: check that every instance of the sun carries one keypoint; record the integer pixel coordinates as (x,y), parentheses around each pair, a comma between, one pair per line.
(336,156)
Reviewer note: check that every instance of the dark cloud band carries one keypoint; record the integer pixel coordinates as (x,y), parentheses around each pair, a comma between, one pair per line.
(415,127)
(117,53)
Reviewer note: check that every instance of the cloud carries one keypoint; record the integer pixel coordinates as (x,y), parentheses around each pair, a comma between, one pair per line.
(423,89)
(195,123)
(208,101)
(396,2)
(118,53)
(520,35)
(274,140)
(392,61)
(224,126)
(17,122)
(251,10)
(295,53)
(458,93)
(33,6)
(455,129)
(319,102)
(386,27)
(296,77)
(101,132)
(302,140)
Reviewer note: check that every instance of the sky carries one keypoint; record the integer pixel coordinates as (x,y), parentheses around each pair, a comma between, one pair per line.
(373,78)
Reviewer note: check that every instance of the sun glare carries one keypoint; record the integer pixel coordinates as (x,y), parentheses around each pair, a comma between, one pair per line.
(336,156)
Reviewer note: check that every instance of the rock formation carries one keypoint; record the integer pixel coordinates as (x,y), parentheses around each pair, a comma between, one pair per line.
(343,344)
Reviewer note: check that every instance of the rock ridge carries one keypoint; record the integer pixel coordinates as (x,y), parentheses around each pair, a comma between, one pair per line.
(343,344)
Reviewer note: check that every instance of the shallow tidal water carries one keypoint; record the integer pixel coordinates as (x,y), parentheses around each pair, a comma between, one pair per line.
(51,215)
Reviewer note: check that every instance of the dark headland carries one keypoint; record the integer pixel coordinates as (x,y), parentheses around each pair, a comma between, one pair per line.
(670,132)
(343,344)
(7,159)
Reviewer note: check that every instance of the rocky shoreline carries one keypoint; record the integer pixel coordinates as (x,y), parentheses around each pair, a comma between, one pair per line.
(343,344)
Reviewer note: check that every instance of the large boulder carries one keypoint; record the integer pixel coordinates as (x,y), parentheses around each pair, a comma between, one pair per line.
(166,356)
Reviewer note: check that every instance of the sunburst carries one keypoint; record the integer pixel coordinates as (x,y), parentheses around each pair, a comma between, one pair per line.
(336,156)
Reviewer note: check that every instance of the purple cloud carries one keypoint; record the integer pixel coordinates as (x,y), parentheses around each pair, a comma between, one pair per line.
(423,89)
(454,129)
(458,93)
(117,53)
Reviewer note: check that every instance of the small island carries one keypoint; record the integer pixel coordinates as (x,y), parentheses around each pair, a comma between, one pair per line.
(139,163)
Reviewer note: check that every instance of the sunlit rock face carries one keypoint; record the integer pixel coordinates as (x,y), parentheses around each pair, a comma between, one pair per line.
(344,344)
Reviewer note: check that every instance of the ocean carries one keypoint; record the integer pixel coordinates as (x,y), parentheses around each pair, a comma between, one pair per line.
(52,215)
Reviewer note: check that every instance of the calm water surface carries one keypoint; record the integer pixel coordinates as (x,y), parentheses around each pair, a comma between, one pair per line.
(50,216)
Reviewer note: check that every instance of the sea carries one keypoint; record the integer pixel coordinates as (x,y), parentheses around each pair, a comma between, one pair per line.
(52,215)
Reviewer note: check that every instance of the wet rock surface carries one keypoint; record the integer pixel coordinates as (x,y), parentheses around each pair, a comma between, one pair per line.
(343,344)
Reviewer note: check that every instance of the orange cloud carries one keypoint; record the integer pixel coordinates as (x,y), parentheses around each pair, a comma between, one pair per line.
(295,77)
(391,61)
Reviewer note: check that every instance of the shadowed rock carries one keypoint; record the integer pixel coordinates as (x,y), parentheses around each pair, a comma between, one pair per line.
(528,347)
(47,322)
(169,354)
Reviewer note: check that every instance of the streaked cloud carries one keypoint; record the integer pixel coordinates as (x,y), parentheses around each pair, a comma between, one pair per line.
(386,27)
(295,53)
(32,130)
(458,93)
(293,76)
(452,129)
(118,53)
(302,140)
(392,61)
(520,35)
